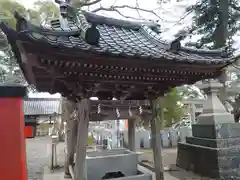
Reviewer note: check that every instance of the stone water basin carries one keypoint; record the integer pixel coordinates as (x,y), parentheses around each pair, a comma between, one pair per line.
(104,164)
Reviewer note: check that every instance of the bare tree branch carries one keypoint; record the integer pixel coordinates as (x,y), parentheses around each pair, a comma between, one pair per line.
(116,9)
(137,6)
(115,1)
(89,3)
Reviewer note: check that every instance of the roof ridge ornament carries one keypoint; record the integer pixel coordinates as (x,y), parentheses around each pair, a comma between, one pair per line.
(175,45)
(63,5)
(88,32)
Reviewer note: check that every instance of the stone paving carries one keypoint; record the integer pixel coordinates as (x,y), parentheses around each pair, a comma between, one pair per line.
(36,156)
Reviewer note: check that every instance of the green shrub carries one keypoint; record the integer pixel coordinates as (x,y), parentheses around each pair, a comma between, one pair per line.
(90,140)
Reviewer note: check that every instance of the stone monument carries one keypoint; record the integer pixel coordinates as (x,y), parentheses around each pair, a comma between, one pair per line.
(213,150)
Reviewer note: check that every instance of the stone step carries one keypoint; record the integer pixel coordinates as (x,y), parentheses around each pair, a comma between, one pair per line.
(232,152)
(219,131)
(214,143)
(232,174)
(229,162)
(207,161)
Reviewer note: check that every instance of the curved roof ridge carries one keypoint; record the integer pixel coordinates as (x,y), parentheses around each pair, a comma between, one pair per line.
(100,19)
(40,29)
(213,52)
(222,52)
(155,37)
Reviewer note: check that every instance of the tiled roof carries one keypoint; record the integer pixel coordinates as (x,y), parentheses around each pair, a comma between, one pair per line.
(42,106)
(118,38)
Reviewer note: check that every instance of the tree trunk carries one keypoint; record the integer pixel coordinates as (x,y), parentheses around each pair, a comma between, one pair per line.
(220,35)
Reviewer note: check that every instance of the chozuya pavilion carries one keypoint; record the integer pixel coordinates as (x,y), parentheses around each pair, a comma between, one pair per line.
(85,55)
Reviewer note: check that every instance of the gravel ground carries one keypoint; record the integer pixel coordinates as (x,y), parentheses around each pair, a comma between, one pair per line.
(36,156)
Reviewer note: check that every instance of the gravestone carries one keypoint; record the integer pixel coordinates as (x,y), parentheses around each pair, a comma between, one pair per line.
(144,136)
(165,137)
(137,138)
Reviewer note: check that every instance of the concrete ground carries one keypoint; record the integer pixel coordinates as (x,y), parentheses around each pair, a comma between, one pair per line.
(37,159)
(169,156)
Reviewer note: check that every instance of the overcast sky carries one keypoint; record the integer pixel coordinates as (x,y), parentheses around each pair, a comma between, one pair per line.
(170,12)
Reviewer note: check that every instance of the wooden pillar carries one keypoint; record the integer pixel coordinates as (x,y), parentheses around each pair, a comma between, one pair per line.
(13,148)
(131,134)
(70,136)
(156,143)
(71,145)
(83,108)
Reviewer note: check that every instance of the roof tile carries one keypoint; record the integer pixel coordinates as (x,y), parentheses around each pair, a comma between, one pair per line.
(42,106)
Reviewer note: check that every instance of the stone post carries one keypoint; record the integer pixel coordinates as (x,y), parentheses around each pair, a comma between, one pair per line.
(215,139)
(13,146)
(131,134)
(53,153)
